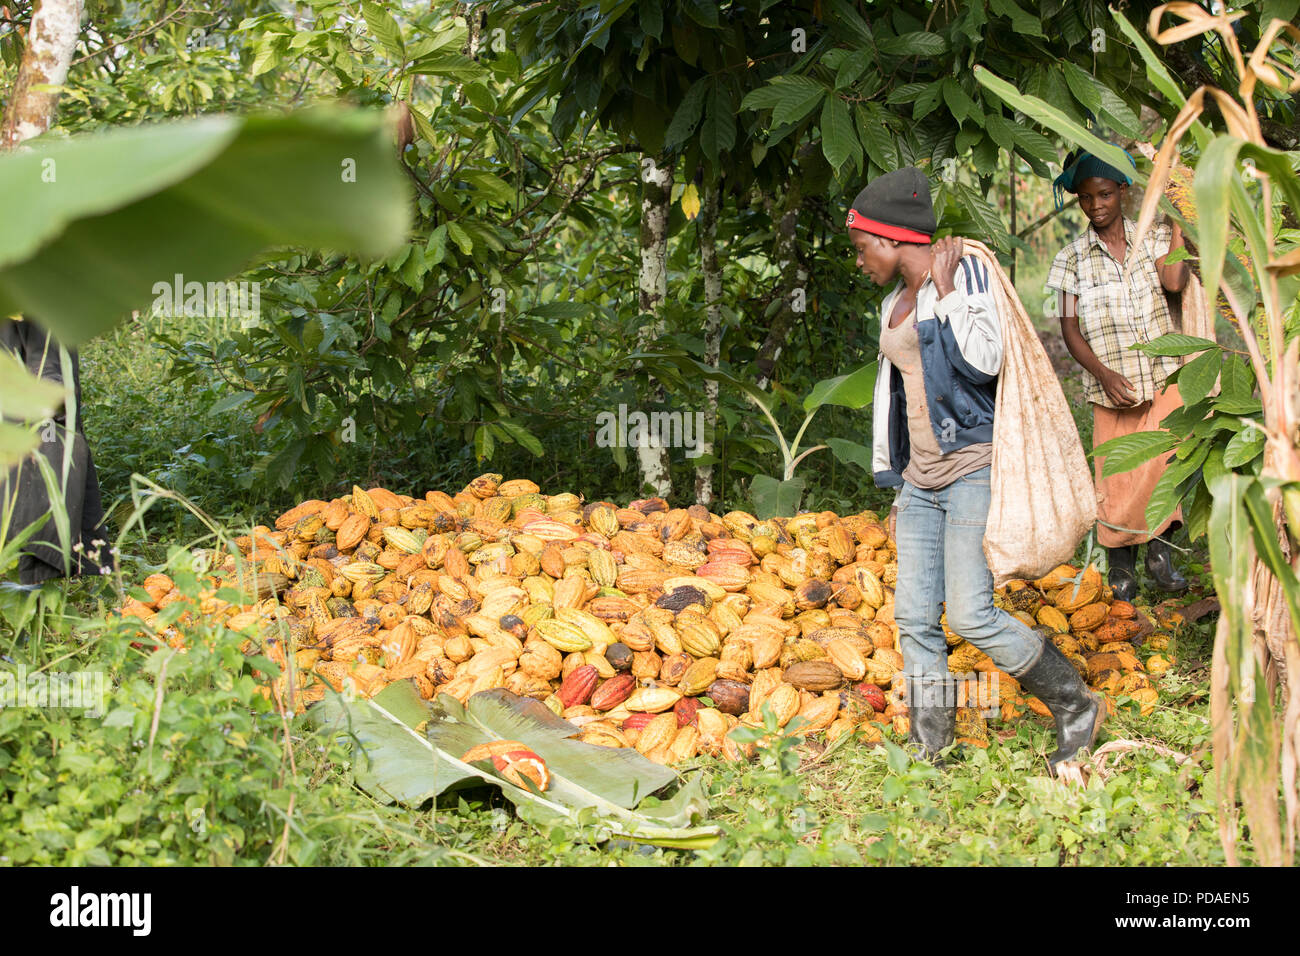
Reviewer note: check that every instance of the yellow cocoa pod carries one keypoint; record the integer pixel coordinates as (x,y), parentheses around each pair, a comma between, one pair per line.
(817,714)
(685,744)
(540,660)
(603,736)
(1055,578)
(699,676)
(603,569)
(765,681)
(645,665)
(1086,618)
(1157,664)
(592,627)
(784,702)
(1148,697)
(847,658)
(699,638)
(971,727)
(871,587)
(964,657)
(652,700)
(1049,616)
(362,503)
(563,636)
(659,732)
(1070,598)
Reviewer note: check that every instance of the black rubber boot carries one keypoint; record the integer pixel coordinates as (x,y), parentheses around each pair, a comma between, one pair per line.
(1160,565)
(932,716)
(1078,711)
(1122,576)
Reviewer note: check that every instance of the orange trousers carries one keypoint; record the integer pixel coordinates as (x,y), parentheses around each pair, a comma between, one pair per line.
(1122,499)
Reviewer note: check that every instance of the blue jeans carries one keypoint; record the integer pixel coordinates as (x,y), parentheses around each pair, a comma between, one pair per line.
(941,558)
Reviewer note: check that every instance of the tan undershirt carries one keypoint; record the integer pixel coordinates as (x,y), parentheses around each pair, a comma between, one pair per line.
(928,467)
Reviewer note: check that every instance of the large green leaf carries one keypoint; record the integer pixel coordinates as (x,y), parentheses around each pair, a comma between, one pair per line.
(984,215)
(409,751)
(688,113)
(1167,493)
(1128,451)
(1215,174)
(774,498)
(1055,120)
(1244,447)
(839,142)
(1175,344)
(919,43)
(853,390)
(1022,23)
(23,397)
(718,131)
(796,97)
(875,135)
(851,453)
(1157,73)
(384,28)
(133,208)
(1197,377)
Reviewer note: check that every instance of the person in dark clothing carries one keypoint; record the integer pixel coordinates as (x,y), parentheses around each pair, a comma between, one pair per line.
(23,488)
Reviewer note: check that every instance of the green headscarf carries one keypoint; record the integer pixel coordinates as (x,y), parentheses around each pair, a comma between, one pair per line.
(1080,166)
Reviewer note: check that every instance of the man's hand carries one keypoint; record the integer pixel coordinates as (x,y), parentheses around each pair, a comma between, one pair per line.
(943,264)
(1118,389)
(891,525)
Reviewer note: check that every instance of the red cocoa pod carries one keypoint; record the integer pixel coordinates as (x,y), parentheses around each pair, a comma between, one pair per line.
(729,696)
(686,710)
(638,721)
(874,696)
(612,692)
(577,687)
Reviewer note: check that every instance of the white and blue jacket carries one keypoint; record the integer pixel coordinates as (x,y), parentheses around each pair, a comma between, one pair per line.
(961,354)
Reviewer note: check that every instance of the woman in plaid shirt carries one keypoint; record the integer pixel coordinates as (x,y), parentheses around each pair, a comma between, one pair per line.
(1105,309)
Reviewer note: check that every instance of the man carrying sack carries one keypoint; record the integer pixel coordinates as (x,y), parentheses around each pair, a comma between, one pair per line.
(953,358)
(1113,297)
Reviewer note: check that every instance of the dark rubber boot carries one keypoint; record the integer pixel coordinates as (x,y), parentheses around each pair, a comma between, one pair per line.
(1122,576)
(1078,711)
(1160,565)
(932,716)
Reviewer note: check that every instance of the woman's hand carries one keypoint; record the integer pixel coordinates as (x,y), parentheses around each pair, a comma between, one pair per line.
(943,263)
(1118,389)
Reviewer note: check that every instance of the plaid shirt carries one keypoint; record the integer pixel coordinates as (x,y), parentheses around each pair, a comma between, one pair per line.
(1116,312)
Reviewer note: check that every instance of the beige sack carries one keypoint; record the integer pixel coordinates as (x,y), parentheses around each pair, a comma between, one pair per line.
(1043,501)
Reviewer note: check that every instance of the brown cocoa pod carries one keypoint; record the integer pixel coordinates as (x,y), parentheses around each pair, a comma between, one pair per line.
(578,686)
(729,696)
(619,656)
(813,675)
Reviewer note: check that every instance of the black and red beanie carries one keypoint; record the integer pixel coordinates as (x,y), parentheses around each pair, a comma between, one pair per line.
(896,206)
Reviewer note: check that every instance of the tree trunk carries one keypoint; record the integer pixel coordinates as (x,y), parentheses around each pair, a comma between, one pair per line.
(51,39)
(792,284)
(708,228)
(656,195)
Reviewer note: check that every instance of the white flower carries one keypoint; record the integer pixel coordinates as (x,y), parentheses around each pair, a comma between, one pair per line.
(105,569)
(78,547)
